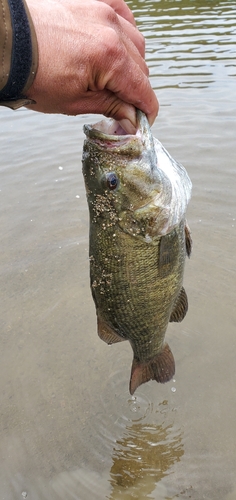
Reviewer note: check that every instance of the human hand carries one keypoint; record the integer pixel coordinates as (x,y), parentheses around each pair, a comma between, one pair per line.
(91,60)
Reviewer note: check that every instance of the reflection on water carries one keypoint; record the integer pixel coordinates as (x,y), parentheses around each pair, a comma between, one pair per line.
(142,458)
(68,427)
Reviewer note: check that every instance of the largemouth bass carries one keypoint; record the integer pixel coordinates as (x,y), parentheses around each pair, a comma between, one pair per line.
(137,196)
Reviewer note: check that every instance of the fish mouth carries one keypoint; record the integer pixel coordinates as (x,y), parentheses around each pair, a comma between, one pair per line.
(107,127)
(109,134)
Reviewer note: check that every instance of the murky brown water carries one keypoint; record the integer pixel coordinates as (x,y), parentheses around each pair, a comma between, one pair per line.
(68,427)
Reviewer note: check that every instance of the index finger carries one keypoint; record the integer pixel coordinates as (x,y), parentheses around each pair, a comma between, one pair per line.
(132,86)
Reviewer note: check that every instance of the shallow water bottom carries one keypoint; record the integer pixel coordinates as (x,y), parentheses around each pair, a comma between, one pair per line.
(68,425)
(69,428)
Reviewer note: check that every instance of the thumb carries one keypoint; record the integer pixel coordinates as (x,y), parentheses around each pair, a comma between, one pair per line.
(108,104)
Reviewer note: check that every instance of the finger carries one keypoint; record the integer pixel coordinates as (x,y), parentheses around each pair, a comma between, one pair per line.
(119,24)
(121,8)
(140,94)
(106,103)
(125,76)
(115,60)
(132,33)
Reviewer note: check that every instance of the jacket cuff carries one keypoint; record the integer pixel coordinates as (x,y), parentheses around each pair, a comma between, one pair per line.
(19,53)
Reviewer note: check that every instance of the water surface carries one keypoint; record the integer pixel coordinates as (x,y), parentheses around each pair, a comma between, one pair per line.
(68,426)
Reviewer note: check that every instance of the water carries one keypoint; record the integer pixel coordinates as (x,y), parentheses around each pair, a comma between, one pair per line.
(68,426)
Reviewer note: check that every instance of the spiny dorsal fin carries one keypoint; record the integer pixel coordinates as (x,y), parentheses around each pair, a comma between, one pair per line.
(180,307)
(160,368)
(106,333)
(188,240)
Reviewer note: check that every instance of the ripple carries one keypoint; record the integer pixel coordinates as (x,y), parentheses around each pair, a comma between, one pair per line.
(139,433)
(122,409)
(146,416)
(191,37)
(140,407)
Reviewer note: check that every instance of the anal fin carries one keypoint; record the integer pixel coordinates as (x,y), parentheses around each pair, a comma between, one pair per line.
(180,307)
(106,333)
(160,368)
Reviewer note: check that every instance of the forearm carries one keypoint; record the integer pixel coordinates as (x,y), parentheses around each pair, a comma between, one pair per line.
(18,53)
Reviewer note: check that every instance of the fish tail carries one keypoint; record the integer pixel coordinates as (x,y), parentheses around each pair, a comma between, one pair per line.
(160,368)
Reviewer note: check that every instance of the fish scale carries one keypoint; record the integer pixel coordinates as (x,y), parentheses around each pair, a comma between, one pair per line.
(135,297)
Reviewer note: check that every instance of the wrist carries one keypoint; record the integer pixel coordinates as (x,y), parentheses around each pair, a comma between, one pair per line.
(22,55)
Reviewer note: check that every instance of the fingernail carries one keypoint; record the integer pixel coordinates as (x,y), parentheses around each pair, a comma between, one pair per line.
(128,126)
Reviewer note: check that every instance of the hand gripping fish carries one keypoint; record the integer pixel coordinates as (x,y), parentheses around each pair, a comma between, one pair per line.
(137,196)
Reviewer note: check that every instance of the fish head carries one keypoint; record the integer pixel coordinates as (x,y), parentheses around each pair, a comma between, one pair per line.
(123,178)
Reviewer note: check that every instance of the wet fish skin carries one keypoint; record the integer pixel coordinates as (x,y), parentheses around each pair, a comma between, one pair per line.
(137,196)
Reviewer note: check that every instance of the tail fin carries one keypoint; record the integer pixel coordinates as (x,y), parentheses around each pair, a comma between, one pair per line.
(160,368)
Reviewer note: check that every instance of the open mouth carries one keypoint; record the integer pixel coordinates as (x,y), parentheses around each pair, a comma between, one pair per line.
(110,127)
(108,133)
(107,129)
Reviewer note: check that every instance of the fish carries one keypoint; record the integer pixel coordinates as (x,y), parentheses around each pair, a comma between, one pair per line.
(137,196)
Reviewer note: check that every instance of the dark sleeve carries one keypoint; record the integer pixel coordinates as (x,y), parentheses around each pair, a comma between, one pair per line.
(18,53)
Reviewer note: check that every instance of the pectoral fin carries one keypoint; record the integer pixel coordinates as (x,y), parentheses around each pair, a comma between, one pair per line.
(188,240)
(106,333)
(180,307)
(160,368)
(168,253)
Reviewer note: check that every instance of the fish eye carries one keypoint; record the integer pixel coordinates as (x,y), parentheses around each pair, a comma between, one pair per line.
(112,180)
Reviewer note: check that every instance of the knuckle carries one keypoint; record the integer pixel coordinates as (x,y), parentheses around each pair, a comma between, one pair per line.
(113,48)
(108,13)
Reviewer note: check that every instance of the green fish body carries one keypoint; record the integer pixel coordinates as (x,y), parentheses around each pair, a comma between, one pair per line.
(137,196)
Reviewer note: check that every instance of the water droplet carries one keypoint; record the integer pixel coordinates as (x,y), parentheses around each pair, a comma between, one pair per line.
(148,238)
(173,389)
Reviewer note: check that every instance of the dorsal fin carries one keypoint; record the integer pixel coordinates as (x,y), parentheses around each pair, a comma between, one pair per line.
(180,307)
(106,333)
